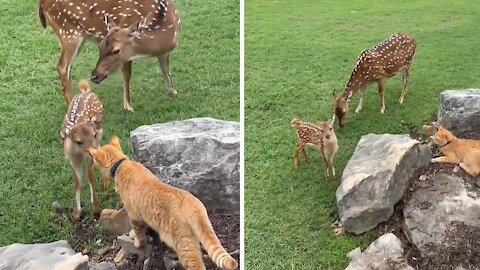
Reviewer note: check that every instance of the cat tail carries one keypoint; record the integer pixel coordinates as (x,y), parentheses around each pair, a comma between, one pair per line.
(203,230)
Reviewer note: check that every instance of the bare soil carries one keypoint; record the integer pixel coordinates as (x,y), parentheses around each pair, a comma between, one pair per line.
(462,247)
(225,224)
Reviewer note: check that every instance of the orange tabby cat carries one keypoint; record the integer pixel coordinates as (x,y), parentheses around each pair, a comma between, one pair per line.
(463,152)
(179,217)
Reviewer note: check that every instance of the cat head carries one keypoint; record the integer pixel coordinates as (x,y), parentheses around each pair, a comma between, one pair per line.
(105,156)
(442,136)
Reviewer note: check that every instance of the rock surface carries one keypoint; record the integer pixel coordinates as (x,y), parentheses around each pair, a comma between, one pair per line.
(385,253)
(201,155)
(430,212)
(52,256)
(115,221)
(101,266)
(375,179)
(460,110)
(127,245)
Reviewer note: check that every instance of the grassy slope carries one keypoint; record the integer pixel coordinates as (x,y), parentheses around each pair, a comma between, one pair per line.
(297,52)
(33,172)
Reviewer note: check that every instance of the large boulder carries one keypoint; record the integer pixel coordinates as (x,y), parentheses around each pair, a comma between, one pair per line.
(201,155)
(385,253)
(434,214)
(375,178)
(460,110)
(52,256)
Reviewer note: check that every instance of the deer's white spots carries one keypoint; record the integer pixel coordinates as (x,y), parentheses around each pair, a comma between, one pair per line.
(152,37)
(170,26)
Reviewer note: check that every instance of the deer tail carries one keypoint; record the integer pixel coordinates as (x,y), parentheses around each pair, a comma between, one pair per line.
(203,230)
(295,122)
(84,86)
(41,15)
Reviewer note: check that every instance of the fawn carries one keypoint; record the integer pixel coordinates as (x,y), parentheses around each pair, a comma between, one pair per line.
(319,136)
(81,130)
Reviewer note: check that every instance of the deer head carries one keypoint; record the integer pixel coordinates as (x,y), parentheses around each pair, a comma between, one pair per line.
(340,105)
(327,130)
(116,48)
(83,135)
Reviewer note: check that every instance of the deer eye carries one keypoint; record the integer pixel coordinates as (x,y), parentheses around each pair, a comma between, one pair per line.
(115,51)
(79,142)
(331,128)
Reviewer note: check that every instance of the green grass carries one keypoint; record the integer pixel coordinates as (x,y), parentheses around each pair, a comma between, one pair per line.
(33,171)
(297,52)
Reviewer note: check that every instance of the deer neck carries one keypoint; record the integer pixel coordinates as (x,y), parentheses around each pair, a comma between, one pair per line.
(355,82)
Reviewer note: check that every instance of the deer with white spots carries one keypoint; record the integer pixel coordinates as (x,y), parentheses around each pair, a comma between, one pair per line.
(376,65)
(320,136)
(81,130)
(124,29)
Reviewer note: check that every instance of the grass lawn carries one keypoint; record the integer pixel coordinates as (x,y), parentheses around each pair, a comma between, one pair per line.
(297,52)
(33,171)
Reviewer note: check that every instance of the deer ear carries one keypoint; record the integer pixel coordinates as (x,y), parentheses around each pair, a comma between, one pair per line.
(136,29)
(64,133)
(115,142)
(334,94)
(96,120)
(109,22)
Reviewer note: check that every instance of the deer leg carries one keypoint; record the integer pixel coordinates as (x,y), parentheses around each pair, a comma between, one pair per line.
(326,174)
(164,61)
(381,92)
(126,74)
(93,195)
(405,82)
(77,178)
(332,166)
(305,157)
(360,103)
(69,50)
(296,161)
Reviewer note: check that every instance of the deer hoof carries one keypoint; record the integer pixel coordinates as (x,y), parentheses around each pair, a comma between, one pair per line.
(76,214)
(128,108)
(172,93)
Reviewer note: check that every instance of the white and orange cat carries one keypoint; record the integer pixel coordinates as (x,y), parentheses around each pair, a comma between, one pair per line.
(180,218)
(464,152)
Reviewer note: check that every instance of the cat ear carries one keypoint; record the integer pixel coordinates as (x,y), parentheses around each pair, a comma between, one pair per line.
(115,142)
(93,152)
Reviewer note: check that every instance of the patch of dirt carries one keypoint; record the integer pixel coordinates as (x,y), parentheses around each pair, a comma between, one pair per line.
(462,246)
(225,224)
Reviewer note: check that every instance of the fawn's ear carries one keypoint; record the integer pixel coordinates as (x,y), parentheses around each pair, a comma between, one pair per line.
(96,120)
(115,142)
(334,94)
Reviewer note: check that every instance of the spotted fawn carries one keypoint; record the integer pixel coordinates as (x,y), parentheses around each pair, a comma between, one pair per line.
(319,136)
(81,130)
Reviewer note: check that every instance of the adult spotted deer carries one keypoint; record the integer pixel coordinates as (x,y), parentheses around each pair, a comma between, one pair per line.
(125,29)
(81,130)
(376,65)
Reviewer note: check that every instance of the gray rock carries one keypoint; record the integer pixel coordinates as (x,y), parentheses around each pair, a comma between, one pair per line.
(385,253)
(431,210)
(127,245)
(101,266)
(375,179)
(201,155)
(52,256)
(460,110)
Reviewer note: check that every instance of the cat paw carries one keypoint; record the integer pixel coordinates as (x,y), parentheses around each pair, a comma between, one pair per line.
(131,234)
(137,243)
